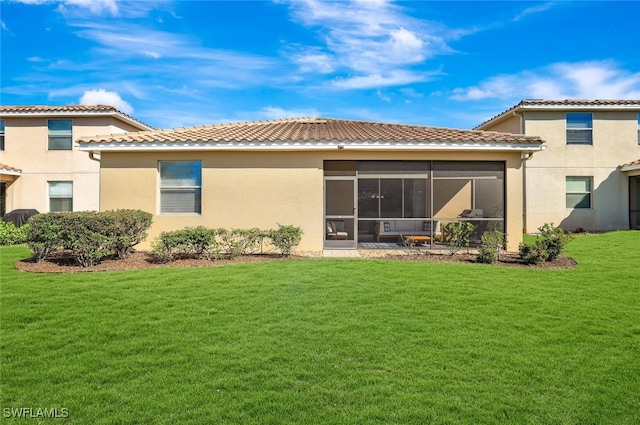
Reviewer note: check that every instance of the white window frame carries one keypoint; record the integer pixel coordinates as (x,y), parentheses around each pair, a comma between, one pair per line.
(60,196)
(588,193)
(586,133)
(165,189)
(59,136)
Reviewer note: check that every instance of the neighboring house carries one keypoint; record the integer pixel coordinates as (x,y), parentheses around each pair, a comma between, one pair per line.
(345,183)
(39,165)
(589,176)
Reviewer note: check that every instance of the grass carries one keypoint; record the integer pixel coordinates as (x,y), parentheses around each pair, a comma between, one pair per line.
(330,341)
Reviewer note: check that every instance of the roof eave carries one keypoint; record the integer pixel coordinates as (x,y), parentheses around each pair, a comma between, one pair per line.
(633,167)
(71,114)
(306,146)
(10,172)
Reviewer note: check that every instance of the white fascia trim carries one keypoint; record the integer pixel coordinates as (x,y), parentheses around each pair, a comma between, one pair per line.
(306,146)
(10,172)
(569,108)
(78,114)
(633,167)
(581,107)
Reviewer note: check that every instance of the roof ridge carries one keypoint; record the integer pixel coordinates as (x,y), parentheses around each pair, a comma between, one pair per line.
(68,108)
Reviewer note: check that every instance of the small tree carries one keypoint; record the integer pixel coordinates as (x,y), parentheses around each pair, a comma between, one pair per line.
(457,235)
(553,240)
(489,249)
(547,247)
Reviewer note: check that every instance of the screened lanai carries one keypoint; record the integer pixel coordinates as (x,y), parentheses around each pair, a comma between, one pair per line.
(372,204)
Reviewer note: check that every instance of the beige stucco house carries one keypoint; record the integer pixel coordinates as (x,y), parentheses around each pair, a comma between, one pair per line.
(347,184)
(39,165)
(589,176)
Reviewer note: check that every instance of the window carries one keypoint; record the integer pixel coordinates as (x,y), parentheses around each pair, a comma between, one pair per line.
(60,196)
(639,129)
(579,192)
(60,137)
(579,129)
(2,135)
(180,187)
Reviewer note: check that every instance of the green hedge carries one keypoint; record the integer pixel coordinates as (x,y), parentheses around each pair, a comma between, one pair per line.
(205,243)
(87,236)
(12,235)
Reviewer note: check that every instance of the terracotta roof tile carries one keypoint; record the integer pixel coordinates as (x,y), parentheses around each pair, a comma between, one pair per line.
(311,130)
(6,168)
(61,108)
(632,164)
(67,110)
(568,104)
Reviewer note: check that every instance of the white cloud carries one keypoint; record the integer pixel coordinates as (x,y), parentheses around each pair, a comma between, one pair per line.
(580,80)
(103,97)
(274,113)
(383,96)
(94,6)
(393,78)
(365,42)
(535,9)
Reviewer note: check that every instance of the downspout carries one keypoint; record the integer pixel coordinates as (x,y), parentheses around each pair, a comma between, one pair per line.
(92,156)
(524,158)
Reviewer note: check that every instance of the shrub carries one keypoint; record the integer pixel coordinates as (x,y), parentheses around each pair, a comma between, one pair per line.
(553,240)
(547,247)
(286,238)
(44,235)
(12,235)
(230,243)
(489,249)
(532,253)
(131,229)
(457,235)
(89,247)
(89,236)
(198,241)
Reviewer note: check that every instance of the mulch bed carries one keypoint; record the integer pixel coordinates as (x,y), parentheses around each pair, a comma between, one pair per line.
(143,260)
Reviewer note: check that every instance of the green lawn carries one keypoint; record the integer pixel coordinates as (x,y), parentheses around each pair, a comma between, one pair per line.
(329,341)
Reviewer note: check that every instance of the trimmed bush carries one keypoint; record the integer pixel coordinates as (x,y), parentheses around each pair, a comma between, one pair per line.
(44,235)
(198,241)
(553,240)
(532,253)
(286,238)
(489,249)
(12,235)
(205,243)
(132,226)
(547,247)
(88,236)
(457,235)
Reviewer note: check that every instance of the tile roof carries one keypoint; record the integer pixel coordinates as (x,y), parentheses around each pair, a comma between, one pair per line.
(69,110)
(5,169)
(309,131)
(577,104)
(634,165)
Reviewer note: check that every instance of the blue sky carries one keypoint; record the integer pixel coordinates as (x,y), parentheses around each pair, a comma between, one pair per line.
(183,63)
